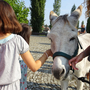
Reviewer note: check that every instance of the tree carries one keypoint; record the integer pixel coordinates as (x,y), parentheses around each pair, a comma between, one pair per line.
(37,14)
(88,26)
(73,8)
(20,10)
(56,6)
(82,23)
(77,25)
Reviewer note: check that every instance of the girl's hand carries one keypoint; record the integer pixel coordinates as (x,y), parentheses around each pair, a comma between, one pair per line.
(49,52)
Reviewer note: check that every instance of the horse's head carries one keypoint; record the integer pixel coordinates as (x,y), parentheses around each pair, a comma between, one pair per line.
(63,36)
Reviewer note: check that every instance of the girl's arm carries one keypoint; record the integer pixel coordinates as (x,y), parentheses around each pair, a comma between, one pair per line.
(31,63)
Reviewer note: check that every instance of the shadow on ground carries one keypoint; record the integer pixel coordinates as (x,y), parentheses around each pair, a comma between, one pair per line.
(45,43)
(40,86)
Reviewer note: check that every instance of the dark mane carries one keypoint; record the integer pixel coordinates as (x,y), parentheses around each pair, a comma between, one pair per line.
(62,17)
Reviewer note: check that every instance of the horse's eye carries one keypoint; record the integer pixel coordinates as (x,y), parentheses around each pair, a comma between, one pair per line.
(50,39)
(72,38)
(72,30)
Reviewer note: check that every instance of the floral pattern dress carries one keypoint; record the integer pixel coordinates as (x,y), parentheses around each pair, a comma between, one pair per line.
(23,80)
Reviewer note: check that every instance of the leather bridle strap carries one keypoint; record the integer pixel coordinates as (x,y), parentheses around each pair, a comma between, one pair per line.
(66,55)
(58,53)
(61,54)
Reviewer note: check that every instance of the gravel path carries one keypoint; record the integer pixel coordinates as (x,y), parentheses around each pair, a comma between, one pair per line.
(43,78)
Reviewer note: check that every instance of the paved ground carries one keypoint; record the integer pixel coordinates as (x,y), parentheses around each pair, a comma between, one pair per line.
(43,78)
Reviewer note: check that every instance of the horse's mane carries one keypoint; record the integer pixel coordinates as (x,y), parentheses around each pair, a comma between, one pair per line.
(62,17)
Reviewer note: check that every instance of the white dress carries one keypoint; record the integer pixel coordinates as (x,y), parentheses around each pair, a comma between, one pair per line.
(10,72)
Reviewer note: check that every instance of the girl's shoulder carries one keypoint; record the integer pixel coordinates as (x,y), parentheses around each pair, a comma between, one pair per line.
(13,38)
(16,43)
(19,38)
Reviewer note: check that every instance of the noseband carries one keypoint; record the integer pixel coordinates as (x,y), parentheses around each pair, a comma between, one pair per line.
(66,55)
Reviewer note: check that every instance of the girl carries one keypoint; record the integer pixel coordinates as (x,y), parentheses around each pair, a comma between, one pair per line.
(25,33)
(11,46)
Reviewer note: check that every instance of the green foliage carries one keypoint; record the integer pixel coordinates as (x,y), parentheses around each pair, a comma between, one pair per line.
(20,10)
(56,6)
(82,23)
(77,25)
(37,14)
(88,26)
(50,26)
(73,8)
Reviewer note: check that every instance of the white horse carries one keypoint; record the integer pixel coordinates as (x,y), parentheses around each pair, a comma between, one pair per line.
(64,45)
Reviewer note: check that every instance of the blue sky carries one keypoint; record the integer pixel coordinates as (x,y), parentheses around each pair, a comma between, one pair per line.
(66,6)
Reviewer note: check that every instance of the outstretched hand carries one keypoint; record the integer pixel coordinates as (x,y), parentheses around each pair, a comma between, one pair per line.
(75,60)
(49,52)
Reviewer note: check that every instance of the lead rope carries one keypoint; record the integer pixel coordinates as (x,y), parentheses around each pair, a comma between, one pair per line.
(82,79)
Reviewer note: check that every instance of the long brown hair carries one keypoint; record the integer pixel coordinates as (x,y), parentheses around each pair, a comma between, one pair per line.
(8,21)
(26,32)
(87,8)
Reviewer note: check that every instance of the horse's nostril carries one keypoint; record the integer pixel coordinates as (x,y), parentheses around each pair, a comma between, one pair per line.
(62,72)
(58,73)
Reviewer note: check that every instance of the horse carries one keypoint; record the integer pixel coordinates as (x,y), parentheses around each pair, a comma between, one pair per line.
(65,44)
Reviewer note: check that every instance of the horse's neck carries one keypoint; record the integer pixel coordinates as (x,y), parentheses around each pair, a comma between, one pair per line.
(84,40)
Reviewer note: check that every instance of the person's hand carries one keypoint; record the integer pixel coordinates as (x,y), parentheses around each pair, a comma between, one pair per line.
(75,60)
(49,52)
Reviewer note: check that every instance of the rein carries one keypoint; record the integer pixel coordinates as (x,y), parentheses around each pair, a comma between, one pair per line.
(82,79)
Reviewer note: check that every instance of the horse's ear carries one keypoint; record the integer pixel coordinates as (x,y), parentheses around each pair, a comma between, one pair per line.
(73,18)
(53,16)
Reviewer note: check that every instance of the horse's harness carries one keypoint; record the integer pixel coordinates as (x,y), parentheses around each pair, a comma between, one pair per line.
(58,53)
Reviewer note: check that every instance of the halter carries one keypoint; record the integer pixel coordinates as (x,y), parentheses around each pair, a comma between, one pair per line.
(66,55)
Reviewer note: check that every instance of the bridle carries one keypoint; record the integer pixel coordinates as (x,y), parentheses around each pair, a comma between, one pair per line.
(70,57)
(58,53)
(67,55)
